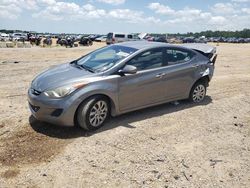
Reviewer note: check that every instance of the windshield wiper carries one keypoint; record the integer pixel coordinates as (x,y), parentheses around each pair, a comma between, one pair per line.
(87,68)
(82,66)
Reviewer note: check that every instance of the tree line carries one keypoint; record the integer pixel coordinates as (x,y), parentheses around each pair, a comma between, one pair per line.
(245,33)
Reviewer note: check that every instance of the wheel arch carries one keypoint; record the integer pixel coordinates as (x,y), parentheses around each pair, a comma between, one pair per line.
(204,79)
(109,99)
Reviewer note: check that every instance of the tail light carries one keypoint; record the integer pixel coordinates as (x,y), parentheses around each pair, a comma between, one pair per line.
(213,59)
(113,40)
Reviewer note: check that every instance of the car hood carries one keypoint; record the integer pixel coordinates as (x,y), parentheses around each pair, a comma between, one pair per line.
(59,76)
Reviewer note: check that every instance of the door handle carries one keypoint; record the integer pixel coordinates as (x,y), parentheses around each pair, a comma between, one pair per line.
(160,75)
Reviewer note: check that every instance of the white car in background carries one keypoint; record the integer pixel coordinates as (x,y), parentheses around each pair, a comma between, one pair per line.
(101,39)
(4,37)
(18,36)
(113,38)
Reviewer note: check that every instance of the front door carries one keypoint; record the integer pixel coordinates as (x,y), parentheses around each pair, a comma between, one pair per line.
(144,87)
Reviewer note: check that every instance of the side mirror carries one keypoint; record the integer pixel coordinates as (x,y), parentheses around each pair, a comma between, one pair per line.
(128,69)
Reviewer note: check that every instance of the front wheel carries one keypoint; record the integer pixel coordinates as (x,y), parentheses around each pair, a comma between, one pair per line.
(92,113)
(198,92)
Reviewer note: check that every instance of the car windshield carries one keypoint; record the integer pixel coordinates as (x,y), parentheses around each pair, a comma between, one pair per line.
(105,58)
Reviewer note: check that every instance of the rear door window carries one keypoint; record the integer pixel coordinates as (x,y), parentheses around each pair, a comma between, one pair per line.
(178,56)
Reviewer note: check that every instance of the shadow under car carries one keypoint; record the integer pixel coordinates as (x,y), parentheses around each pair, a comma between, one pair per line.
(124,120)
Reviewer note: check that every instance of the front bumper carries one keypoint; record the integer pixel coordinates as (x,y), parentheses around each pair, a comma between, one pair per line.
(55,111)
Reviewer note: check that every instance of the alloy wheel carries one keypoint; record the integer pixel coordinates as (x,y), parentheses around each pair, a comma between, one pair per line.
(98,113)
(199,93)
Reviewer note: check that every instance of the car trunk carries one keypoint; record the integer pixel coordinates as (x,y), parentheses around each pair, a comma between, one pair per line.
(204,49)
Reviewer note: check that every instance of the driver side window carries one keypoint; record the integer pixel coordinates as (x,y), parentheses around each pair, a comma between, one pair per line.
(148,60)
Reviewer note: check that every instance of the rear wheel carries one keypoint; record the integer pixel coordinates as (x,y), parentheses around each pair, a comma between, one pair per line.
(92,114)
(198,92)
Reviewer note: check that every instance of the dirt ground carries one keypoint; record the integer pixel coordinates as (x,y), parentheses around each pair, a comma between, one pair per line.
(185,145)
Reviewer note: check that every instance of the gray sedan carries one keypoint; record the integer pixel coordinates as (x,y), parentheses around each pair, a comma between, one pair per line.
(120,78)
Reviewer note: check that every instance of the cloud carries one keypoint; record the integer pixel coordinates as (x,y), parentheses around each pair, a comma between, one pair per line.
(70,11)
(125,14)
(224,8)
(183,14)
(88,7)
(246,10)
(47,2)
(113,2)
(160,9)
(217,20)
(58,11)
(10,11)
(132,16)
(223,16)
(230,16)
(241,1)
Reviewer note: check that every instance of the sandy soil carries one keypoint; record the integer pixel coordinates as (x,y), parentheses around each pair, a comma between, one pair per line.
(185,145)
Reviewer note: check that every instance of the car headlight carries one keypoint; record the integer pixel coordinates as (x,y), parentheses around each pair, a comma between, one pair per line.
(63,91)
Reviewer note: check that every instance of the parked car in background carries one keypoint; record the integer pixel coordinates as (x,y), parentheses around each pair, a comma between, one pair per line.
(188,40)
(121,78)
(4,37)
(160,39)
(93,37)
(101,39)
(86,41)
(113,38)
(19,37)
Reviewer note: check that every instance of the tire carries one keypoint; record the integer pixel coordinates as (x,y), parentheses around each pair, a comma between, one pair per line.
(93,113)
(198,92)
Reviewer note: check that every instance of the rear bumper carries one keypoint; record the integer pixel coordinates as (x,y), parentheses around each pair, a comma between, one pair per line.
(55,111)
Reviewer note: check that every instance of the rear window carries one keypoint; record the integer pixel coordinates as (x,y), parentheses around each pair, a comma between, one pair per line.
(119,36)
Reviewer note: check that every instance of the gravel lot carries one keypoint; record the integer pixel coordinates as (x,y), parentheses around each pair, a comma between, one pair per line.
(185,145)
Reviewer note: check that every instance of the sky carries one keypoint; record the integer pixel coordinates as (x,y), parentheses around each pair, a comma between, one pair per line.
(128,16)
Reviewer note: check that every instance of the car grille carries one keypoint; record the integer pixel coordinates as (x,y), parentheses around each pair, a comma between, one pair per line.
(35,92)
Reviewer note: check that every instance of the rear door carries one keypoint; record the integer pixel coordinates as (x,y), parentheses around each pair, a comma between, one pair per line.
(179,73)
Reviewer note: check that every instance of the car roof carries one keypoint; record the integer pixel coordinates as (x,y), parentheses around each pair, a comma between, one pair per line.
(144,44)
